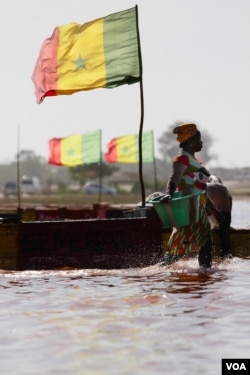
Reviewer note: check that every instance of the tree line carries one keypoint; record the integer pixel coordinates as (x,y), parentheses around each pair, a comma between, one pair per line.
(35,165)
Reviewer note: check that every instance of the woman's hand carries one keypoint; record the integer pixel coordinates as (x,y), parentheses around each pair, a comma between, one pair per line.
(166,199)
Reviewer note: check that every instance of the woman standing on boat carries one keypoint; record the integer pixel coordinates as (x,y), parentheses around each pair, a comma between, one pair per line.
(188,173)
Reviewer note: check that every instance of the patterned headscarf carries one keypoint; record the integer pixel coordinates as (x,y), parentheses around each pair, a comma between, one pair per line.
(185,131)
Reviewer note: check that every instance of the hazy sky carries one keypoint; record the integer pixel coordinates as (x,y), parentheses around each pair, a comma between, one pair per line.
(196,67)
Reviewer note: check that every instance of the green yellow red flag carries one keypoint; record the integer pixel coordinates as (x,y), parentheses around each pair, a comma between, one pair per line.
(76,149)
(101,53)
(125,149)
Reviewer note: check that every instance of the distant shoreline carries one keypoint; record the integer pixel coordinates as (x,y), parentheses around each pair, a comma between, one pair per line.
(240,191)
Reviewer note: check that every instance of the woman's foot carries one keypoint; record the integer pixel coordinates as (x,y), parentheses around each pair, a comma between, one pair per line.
(168,259)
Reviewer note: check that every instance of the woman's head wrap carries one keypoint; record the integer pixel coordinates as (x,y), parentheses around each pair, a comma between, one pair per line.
(185,131)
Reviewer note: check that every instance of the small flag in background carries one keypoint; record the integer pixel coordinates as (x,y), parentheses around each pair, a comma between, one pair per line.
(101,53)
(126,149)
(76,149)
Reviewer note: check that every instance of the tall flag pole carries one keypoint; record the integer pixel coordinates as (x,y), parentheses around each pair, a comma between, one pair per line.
(104,53)
(140,147)
(142,117)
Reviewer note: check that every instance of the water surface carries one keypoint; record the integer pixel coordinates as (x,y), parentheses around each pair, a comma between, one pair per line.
(177,320)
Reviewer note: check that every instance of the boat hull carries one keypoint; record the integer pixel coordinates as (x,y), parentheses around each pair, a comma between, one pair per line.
(94,243)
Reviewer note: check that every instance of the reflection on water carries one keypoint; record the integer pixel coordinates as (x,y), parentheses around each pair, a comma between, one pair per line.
(156,320)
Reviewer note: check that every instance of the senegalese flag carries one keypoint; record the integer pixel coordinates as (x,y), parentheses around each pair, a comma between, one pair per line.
(101,53)
(76,149)
(125,149)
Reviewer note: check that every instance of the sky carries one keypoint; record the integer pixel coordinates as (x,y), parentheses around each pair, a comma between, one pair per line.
(196,67)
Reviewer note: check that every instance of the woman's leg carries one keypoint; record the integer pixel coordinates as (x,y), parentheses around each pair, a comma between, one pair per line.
(205,253)
(205,240)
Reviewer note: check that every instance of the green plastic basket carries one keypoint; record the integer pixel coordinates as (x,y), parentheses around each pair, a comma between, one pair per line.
(182,210)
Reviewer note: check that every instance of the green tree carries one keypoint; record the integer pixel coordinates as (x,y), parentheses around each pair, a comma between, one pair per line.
(30,163)
(85,172)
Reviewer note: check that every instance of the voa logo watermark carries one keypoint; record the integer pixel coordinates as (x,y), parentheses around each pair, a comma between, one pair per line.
(230,366)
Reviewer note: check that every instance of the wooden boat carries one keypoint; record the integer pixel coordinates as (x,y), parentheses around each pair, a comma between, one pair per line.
(135,239)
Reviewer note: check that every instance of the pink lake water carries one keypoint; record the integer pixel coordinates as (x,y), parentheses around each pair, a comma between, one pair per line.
(158,320)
